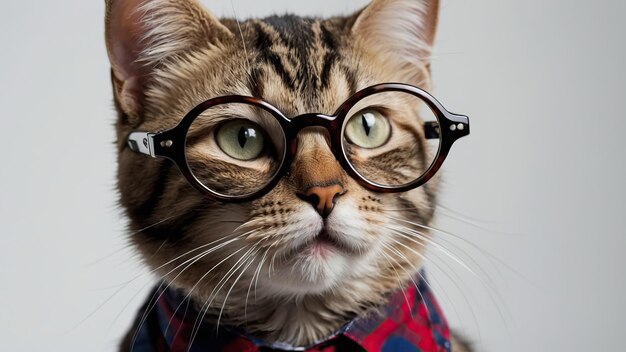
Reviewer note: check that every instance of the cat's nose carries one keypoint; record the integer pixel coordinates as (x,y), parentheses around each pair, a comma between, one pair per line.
(323,198)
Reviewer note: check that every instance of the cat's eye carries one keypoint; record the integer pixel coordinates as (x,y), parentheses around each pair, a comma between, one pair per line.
(368,128)
(241,139)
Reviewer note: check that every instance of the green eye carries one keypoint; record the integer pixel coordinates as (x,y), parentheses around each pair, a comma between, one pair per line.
(241,140)
(368,129)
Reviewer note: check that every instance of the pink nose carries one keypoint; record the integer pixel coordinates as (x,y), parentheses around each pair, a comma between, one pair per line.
(323,198)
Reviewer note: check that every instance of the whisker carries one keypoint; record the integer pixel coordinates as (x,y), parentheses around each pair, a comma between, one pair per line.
(411,276)
(188,295)
(388,258)
(454,215)
(488,255)
(427,282)
(198,282)
(130,235)
(203,310)
(175,259)
(124,285)
(243,40)
(119,248)
(256,272)
(269,272)
(256,282)
(454,246)
(160,290)
(152,302)
(488,283)
(250,261)
(407,232)
(425,258)
(202,278)
(404,231)
(460,216)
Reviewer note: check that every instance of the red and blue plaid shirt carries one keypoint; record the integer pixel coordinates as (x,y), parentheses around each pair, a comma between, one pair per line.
(411,321)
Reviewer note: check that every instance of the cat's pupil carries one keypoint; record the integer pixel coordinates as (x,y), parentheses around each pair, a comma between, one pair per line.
(244,135)
(368,121)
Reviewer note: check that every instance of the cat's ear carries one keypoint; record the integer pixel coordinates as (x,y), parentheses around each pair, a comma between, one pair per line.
(401,33)
(143,34)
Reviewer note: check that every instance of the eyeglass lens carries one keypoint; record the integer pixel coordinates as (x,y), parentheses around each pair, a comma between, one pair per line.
(384,138)
(235,149)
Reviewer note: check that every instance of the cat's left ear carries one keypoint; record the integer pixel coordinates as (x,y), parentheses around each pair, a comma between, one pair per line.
(400,33)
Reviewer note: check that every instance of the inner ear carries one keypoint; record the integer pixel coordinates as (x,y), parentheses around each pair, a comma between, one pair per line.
(401,33)
(123,37)
(143,34)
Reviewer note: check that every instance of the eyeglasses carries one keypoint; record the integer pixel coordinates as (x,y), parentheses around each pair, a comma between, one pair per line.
(390,137)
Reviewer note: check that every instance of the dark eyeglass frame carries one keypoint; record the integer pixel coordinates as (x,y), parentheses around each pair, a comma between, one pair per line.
(171,143)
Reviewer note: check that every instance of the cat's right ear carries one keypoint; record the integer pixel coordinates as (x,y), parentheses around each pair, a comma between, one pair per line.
(141,35)
(401,34)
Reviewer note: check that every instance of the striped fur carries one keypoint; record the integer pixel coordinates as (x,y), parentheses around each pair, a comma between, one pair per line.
(172,55)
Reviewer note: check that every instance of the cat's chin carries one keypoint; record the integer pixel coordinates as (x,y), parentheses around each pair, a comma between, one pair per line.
(316,269)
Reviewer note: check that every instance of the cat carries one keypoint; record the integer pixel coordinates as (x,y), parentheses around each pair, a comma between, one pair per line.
(167,56)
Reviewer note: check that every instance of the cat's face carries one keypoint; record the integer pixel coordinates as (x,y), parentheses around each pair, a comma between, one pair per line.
(170,55)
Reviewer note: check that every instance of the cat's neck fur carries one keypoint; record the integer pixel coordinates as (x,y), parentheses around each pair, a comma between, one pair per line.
(300,320)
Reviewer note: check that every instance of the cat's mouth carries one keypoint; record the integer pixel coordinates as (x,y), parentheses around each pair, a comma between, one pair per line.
(324,238)
(322,245)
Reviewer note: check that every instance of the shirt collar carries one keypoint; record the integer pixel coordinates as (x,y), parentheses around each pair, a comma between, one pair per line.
(411,319)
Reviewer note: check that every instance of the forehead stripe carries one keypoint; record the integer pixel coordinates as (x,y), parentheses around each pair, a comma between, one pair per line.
(263,44)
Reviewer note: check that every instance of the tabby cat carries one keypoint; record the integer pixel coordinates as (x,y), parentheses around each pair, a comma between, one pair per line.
(318,249)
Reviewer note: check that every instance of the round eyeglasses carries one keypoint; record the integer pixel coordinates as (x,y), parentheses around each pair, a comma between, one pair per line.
(390,137)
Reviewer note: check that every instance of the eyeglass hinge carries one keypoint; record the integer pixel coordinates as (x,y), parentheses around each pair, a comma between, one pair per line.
(142,142)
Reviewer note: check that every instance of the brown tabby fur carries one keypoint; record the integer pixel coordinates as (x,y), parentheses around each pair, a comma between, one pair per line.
(169,55)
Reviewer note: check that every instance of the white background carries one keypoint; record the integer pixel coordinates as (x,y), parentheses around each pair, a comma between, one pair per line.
(539,184)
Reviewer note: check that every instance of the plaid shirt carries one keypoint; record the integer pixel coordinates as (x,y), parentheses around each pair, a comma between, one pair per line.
(411,321)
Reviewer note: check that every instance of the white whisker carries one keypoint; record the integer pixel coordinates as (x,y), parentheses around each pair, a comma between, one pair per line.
(251,260)
(243,40)
(410,276)
(155,298)
(256,272)
(400,283)
(488,255)
(425,258)
(407,233)
(225,278)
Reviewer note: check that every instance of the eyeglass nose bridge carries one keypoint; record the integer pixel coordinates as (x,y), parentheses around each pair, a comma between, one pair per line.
(328,122)
(300,122)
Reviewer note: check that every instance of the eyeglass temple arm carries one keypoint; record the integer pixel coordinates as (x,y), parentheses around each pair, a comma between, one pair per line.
(432,130)
(141,142)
